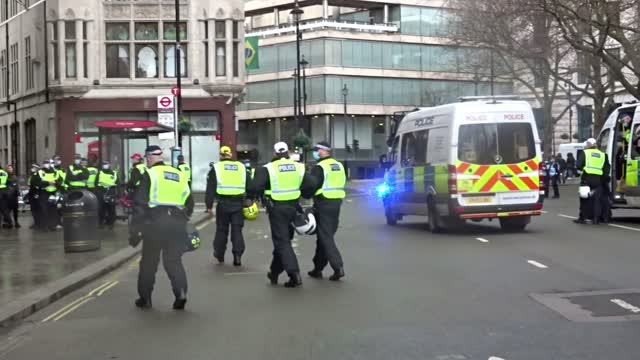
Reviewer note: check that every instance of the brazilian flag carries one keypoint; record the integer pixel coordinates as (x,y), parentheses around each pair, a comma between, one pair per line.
(251,59)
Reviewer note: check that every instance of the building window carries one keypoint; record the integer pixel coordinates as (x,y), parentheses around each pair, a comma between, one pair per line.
(85,49)
(28,64)
(615,54)
(581,69)
(221,29)
(118,61)
(54,50)
(206,47)
(30,141)
(236,48)
(221,59)
(170,51)
(15,75)
(15,144)
(70,57)
(13,7)
(70,30)
(3,74)
(146,61)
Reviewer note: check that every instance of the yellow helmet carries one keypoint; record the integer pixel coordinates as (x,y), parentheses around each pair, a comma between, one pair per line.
(250,212)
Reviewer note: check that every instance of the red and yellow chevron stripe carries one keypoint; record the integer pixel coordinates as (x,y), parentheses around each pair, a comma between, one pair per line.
(497,178)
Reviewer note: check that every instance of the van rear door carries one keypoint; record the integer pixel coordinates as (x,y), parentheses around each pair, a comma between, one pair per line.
(497,163)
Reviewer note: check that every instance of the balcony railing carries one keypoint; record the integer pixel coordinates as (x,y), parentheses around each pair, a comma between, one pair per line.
(322,25)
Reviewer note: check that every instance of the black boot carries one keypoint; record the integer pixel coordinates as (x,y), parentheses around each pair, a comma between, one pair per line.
(294,281)
(18,226)
(236,260)
(316,274)
(143,303)
(179,303)
(219,257)
(273,278)
(579,221)
(337,275)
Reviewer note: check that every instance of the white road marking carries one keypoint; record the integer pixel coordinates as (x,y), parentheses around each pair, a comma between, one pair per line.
(625,227)
(206,223)
(537,264)
(545,212)
(244,273)
(567,216)
(482,240)
(495,358)
(625,305)
(349,200)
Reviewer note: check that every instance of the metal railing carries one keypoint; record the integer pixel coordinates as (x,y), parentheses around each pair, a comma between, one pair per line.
(324,24)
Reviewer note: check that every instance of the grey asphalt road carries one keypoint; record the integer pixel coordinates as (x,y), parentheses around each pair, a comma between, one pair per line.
(407,295)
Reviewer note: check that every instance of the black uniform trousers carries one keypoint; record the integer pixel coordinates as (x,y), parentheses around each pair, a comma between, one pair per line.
(327,214)
(50,214)
(106,212)
(34,206)
(5,200)
(280,217)
(229,214)
(591,208)
(164,235)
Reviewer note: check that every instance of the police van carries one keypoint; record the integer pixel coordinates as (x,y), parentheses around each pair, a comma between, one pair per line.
(476,159)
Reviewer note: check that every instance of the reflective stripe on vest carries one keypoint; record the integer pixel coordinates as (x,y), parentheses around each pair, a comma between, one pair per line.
(594,161)
(75,172)
(169,187)
(286,177)
(93,175)
(48,177)
(334,179)
(106,180)
(231,177)
(4,177)
(62,175)
(186,170)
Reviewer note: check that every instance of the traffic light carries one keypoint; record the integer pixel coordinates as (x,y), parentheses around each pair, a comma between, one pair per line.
(356,145)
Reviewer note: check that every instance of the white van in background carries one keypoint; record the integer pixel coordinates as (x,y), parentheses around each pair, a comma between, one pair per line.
(573,148)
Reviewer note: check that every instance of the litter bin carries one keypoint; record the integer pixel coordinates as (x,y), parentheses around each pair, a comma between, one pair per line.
(80,221)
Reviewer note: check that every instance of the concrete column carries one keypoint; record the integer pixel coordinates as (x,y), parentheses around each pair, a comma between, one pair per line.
(276,17)
(49,47)
(229,51)
(327,129)
(92,50)
(277,130)
(79,50)
(61,51)
(325,9)
(386,14)
(212,49)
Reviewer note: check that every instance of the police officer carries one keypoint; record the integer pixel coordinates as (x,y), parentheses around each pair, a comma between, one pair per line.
(92,180)
(594,165)
(33,196)
(184,167)
(5,218)
(57,165)
(77,175)
(136,172)
(164,202)
(228,181)
(48,183)
(330,181)
(282,181)
(14,195)
(106,185)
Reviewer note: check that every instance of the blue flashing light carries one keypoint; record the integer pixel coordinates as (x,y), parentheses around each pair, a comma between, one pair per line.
(383,190)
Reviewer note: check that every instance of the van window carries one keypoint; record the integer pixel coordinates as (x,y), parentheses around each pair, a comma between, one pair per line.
(603,140)
(394,150)
(414,148)
(487,144)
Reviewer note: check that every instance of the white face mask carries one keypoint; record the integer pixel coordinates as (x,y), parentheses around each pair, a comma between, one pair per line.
(77,161)
(58,162)
(47,166)
(105,167)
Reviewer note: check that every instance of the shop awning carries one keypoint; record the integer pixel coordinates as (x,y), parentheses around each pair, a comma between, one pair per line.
(133,125)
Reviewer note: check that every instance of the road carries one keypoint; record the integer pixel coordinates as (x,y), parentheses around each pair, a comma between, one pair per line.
(475,293)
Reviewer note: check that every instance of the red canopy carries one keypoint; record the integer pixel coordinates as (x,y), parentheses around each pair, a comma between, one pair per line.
(125,124)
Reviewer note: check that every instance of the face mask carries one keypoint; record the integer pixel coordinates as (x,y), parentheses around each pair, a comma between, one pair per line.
(77,162)
(47,166)
(105,167)
(316,155)
(34,170)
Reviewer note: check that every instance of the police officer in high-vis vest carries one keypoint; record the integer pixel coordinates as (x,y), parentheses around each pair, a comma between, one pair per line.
(330,181)
(228,181)
(164,203)
(57,166)
(92,180)
(185,168)
(48,182)
(283,181)
(107,182)
(136,172)
(595,168)
(5,218)
(77,175)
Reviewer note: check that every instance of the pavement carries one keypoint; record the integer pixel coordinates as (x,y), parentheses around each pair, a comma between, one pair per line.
(557,291)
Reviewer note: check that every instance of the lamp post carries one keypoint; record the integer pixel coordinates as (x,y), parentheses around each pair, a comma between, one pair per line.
(345,93)
(178,53)
(296,13)
(304,64)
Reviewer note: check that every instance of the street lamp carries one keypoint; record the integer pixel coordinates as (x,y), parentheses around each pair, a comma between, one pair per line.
(304,64)
(296,13)
(345,93)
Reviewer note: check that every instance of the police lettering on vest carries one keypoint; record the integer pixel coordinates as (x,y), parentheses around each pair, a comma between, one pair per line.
(231,178)
(594,162)
(286,177)
(334,179)
(168,187)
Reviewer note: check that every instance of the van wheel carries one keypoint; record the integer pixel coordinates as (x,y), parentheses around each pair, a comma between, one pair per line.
(392,219)
(518,223)
(435,222)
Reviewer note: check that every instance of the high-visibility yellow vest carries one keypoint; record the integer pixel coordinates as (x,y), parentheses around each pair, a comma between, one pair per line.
(93,175)
(62,175)
(48,177)
(253,173)
(186,170)
(594,161)
(106,180)
(169,187)
(335,179)
(231,178)
(78,184)
(286,177)
(627,135)
(4,177)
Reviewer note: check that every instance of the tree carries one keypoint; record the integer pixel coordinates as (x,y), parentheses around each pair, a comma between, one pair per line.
(525,44)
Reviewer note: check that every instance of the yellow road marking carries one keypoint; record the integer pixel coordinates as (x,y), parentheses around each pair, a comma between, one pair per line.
(107,288)
(73,308)
(92,292)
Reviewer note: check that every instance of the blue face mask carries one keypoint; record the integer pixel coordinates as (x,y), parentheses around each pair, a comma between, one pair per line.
(316,155)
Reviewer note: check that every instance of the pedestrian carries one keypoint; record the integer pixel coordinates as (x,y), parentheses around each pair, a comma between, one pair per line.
(329,191)
(562,165)
(282,182)
(185,168)
(553,172)
(594,165)
(571,166)
(136,172)
(5,218)
(107,182)
(48,183)
(228,182)
(77,175)
(33,196)
(547,177)
(163,200)
(14,195)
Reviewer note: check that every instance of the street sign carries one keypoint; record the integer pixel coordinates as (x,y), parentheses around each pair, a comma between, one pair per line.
(165,103)
(175,91)
(166,111)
